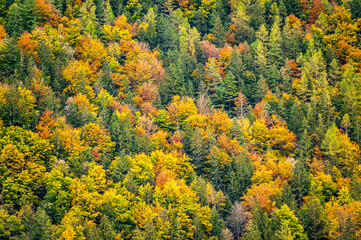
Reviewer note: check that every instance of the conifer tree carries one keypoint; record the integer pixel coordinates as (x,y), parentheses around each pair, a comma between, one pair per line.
(218,32)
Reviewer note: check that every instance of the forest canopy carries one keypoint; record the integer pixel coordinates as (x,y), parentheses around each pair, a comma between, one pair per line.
(180,119)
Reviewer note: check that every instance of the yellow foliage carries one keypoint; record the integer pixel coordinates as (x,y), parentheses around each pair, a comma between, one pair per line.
(79,76)
(262,194)
(219,122)
(170,162)
(159,140)
(141,167)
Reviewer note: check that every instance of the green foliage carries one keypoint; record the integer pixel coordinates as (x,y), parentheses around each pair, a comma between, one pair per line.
(207,119)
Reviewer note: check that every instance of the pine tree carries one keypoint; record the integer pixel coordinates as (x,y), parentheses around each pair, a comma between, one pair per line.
(167,36)
(122,134)
(293,7)
(42,228)
(300,182)
(261,61)
(252,232)
(151,32)
(9,59)
(217,223)
(275,53)
(199,234)
(334,73)
(15,25)
(257,10)
(177,232)
(231,90)
(213,77)
(261,89)
(106,227)
(218,32)
(355,7)
(311,213)
(22,17)
(106,79)
(199,21)
(198,150)
(105,13)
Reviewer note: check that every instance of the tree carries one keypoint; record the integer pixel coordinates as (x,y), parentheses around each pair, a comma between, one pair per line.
(355,7)
(338,147)
(79,111)
(213,77)
(252,232)
(22,17)
(293,7)
(226,92)
(237,219)
(345,123)
(316,9)
(275,53)
(257,10)
(107,228)
(312,216)
(17,106)
(261,61)
(218,32)
(106,79)
(290,225)
(240,103)
(42,227)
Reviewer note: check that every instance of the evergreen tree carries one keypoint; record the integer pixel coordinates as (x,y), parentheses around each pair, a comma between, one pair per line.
(257,11)
(252,232)
(199,21)
(217,223)
(42,228)
(9,59)
(22,17)
(106,228)
(275,53)
(293,7)
(105,78)
(122,134)
(218,32)
(167,36)
(300,182)
(311,213)
(355,7)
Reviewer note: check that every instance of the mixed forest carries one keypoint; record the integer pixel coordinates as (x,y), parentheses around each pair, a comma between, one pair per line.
(180,119)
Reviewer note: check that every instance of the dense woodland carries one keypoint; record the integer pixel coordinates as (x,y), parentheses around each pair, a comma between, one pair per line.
(180,119)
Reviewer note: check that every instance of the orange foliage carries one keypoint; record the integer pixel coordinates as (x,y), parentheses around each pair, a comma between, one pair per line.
(3,33)
(225,55)
(142,65)
(316,9)
(282,138)
(261,194)
(97,136)
(147,93)
(46,13)
(210,50)
(219,122)
(291,69)
(232,146)
(293,19)
(46,124)
(92,51)
(28,45)
(260,113)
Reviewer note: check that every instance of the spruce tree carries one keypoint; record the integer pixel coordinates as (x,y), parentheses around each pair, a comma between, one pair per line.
(218,32)
(42,228)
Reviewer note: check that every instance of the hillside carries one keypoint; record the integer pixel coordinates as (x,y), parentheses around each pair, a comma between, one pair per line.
(180,119)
